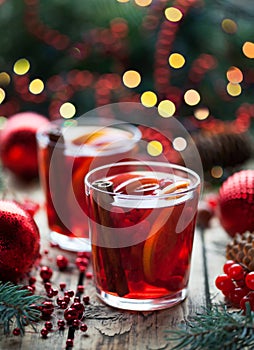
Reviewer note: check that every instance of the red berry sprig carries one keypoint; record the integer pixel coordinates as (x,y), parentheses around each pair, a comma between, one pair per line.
(237,284)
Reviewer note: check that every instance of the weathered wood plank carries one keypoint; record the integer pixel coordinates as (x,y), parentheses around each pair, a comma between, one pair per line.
(110,328)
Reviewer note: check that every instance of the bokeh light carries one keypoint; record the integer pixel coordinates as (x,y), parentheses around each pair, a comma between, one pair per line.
(229,26)
(248,49)
(191,97)
(2,95)
(179,144)
(131,78)
(166,108)
(5,78)
(148,99)
(21,66)
(67,110)
(234,89)
(143,3)
(217,172)
(173,14)
(234,75)
(36,86)
(154,148)
(176,60)
(201,113)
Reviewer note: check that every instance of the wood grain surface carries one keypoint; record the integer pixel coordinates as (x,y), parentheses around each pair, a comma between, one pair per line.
(113,329)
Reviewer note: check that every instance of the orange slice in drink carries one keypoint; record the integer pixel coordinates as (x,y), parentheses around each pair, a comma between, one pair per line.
(90,138)
(134,184)
(158,246)
(175,187)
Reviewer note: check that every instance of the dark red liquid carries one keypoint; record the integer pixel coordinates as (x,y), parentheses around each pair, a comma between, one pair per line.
(142,252)
(62,174)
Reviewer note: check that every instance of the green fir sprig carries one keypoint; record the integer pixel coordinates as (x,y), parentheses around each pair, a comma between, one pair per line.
(17,307)
(216,328)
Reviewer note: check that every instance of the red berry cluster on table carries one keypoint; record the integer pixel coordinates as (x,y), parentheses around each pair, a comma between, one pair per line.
(62,308)
(237,281)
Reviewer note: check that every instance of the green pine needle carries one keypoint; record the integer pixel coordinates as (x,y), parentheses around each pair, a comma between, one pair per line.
(17,307)
(216,329)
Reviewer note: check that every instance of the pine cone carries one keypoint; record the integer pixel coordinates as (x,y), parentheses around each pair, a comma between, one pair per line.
(226,149)
(241,250)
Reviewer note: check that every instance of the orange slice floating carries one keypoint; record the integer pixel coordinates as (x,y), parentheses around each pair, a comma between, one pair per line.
(175,188)
(136,184)
(90,137)
(159,245)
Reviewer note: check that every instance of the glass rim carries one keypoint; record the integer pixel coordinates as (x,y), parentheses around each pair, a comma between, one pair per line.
(89,122)
(190,188)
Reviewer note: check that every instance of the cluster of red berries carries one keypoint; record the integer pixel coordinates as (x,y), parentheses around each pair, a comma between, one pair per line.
(237,284)
(72,304)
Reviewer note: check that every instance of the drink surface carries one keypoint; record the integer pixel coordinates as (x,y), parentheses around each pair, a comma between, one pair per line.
(142,246)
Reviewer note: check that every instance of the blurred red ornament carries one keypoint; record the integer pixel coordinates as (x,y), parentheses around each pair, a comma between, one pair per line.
(18,149)
(236,203)
(19,241)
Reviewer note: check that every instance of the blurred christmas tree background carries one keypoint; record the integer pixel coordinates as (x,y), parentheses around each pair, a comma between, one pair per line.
(189,58)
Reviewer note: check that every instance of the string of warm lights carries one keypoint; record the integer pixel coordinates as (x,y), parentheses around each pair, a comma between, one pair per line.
(127,83)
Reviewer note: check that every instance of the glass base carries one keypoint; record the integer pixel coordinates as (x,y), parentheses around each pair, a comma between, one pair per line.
(73,244)
(143,304)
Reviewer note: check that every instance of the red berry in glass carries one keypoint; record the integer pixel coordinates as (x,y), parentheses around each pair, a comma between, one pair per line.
(154,254)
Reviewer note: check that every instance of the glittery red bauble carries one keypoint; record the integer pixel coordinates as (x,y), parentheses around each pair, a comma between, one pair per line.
(19,241)
(18,149)
(236,203)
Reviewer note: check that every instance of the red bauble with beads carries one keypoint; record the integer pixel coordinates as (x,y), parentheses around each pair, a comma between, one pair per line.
(19,241)
(236,203)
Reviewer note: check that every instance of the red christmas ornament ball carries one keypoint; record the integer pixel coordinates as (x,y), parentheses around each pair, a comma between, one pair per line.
(236,203)
(19,241)
(18,148)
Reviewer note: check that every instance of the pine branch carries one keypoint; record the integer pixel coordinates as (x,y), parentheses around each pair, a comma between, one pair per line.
(216,329)
(17,307)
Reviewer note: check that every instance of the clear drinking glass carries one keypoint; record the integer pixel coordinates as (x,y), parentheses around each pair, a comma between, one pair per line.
(142,222)
(67,150)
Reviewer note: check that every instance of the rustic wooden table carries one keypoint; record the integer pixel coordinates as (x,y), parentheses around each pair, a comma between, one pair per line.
(112,329)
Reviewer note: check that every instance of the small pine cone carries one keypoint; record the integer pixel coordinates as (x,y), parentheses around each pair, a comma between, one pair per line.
(241,250)
(225,149)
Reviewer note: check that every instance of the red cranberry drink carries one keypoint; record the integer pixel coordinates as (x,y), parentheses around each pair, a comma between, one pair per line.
(66,153)
(142,222)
